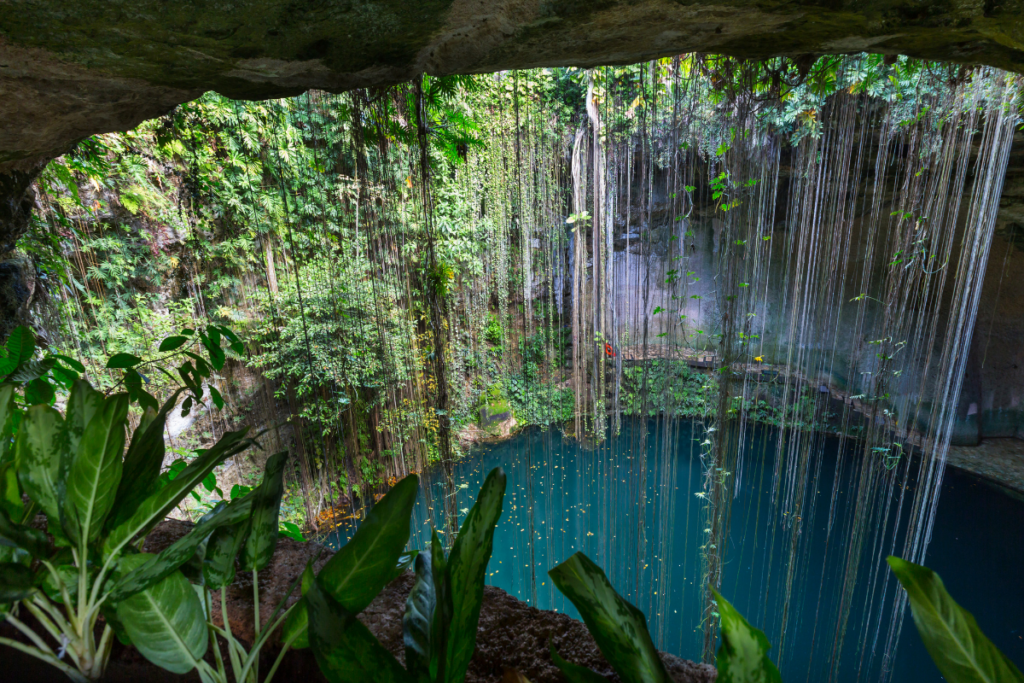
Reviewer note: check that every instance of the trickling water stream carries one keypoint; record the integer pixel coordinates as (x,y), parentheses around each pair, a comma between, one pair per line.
(975,545)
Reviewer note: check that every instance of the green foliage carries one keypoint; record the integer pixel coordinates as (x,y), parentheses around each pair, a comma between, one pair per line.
(71,467)
(364,565)
(164,621)
(246,533)
(669,387)
(957,645)
(493,332)
(442,610)
(619,628)
(743,655)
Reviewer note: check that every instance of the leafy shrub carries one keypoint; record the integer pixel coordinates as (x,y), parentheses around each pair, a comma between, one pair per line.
(441,612)
(493,332)
(98,507)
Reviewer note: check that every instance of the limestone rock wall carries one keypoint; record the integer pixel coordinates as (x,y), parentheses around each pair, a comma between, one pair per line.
(72,69)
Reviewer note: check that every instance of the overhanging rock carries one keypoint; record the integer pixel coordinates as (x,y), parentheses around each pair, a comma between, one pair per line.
(73,69)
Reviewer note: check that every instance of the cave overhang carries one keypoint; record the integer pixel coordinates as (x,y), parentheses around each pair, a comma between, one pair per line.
(73,69)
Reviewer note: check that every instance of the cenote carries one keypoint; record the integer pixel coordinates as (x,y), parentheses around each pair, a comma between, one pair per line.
(725,324)
(644,528)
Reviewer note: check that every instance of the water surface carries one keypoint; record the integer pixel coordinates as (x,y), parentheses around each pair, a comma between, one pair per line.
(632,506)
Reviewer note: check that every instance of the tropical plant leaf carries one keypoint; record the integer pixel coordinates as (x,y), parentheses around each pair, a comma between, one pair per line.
(165,622)
(10,492)
(70,362)
(142,462)
(7,410)
(21,344)
(367,563)
(295,626)
(175,555)
(39,391)
(38,451)
(266,506)
(31,369)
(154,508)
(234,342)
(120,361)
(957,645)
(95,470)
(172,343)
(345,649)
(68,574)
(743,655)
(28,539)
(64,377)
(418,622)
(467,566)
(15,582)
(221,552)
(427,616)
(84,403)
(574,672)
(619,628)
(215,396)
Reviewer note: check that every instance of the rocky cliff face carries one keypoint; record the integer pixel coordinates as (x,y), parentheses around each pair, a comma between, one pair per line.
(69,70)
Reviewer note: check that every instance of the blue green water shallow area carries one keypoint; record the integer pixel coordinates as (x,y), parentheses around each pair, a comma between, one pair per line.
(632,505)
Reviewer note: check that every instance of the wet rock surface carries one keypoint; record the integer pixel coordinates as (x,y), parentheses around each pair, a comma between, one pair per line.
(69,70)
(512,636)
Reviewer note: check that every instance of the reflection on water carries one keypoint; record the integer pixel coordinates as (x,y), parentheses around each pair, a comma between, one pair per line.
(632,506)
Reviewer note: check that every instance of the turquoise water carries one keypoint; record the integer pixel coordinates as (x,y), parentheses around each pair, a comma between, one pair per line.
(631,506)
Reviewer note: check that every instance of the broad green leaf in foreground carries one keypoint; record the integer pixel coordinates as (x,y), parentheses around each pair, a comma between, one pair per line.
(367,563)
(15,582)
(122,360)
(221,551)
(345,649)
(21,344)
(38,451)
(467,567)
(142,461)
(165,622)
(179,552)
(7,410)
(961,651)
(619,628)
(296,625)
(427,618)
(266,505)
(743,655)
(96,470)
(156,507)
(84,403)
(418,623)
